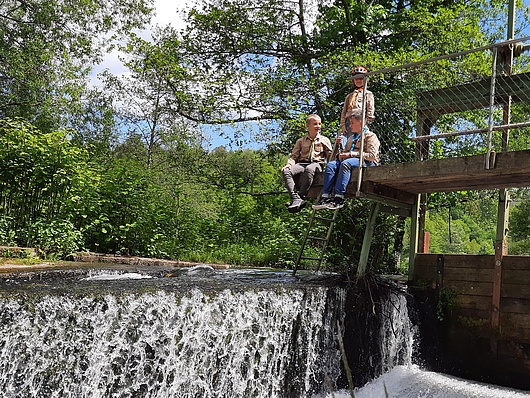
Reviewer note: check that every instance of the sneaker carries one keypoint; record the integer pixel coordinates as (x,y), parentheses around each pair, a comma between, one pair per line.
(322,203)
(335,204)
(296,205)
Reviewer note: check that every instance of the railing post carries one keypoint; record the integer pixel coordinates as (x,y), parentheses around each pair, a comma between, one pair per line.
(361,149)
(492,104)
(501,249)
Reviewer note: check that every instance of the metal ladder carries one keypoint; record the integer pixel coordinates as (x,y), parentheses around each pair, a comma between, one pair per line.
(317,222)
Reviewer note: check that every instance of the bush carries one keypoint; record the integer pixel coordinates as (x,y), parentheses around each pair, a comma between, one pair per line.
(54,239)
(7,232)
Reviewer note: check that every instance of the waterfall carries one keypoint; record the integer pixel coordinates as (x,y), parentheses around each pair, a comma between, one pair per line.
(396,332)
(201,333)
(173,342)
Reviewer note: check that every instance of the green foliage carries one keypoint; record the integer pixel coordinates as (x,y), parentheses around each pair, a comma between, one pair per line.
(462,222)
(47,48)
(11,253)
(53,238)
(519,235)
(447,300)
(7,231)
(37,173)
(130,175)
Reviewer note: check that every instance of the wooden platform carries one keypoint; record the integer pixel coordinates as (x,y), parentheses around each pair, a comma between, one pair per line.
(402,182)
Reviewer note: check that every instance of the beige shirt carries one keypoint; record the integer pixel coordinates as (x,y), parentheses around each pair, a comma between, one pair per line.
(354,100)
(370,149)
(302,149)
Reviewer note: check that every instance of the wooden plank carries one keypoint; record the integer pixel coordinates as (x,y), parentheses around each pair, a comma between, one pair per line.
(426,260)
(467,274)
(471,288)
(515,334)
(514,305)
(401,181)
(425,274)
(515,321)
(515,263)
(510,349)
(475,315)
(425,268)
(482,261)
(482,303)
(512,290)
(512,169)
(519,277)
(384,191)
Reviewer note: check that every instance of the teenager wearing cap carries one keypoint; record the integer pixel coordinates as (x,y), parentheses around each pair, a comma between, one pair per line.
(354,100)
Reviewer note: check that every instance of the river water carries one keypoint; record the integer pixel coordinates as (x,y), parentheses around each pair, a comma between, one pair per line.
(198,332)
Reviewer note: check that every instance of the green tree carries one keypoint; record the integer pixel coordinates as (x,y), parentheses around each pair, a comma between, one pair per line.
(40,178)
(519,230)
(48,47)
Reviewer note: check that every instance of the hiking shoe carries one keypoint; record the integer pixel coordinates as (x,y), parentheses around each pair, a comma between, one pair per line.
(335,204)
(296,205)
(322,203)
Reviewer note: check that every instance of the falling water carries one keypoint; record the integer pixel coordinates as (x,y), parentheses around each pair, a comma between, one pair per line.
(396,333)
(79,340)
(401,378)
(205,333)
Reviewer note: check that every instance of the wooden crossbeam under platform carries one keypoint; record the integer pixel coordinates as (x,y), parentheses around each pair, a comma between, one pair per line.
(399,184)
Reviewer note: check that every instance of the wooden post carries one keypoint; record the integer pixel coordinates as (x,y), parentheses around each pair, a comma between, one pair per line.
(422,153)
(414,236)
(367,241)
(426,242)
(501,240)
(501,249)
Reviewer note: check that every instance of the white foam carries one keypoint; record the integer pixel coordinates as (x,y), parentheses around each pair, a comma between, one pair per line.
(413,382)
(116,276)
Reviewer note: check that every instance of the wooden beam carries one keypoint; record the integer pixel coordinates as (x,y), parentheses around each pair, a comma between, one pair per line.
(471,96)
(510,169)
(367,240)
(414,236)
(501,249)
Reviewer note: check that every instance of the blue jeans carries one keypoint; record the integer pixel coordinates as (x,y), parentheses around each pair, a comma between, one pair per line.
(338,174)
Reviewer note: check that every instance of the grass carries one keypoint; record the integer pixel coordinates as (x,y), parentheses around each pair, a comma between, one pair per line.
(20,261)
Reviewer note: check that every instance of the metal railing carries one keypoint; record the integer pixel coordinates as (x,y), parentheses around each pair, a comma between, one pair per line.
(461,104)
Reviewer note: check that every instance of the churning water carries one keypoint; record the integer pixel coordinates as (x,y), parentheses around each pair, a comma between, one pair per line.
(111,335)
(200,333)
(413,382)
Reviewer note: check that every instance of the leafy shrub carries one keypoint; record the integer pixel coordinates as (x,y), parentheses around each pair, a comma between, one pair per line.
(54,239)
(7,232)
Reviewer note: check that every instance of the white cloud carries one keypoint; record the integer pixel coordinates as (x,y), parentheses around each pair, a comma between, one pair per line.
(167,12)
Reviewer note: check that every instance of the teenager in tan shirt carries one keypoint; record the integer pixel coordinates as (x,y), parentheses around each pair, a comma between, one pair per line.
(354,100)
(307,158)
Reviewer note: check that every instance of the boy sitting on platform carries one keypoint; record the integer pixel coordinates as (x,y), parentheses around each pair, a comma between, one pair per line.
(308,157)
(338,172)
